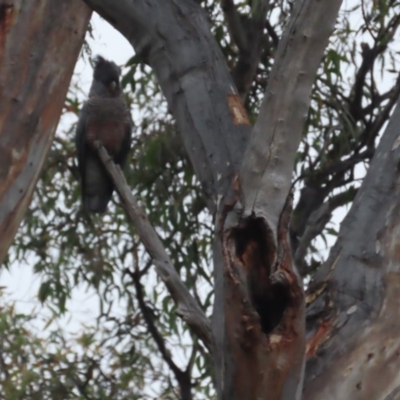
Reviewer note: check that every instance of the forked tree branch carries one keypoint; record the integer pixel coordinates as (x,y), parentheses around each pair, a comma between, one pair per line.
(187,306)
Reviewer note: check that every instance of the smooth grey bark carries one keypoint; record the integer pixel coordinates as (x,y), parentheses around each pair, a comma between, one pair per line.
(258,321)
(39,47)
(353,314)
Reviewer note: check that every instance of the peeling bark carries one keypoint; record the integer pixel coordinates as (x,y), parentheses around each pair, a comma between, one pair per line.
(39,46)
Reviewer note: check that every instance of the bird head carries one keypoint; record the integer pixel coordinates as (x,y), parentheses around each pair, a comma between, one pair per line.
(106,78)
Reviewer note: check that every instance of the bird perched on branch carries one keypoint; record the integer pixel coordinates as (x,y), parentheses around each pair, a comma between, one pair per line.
(105,117)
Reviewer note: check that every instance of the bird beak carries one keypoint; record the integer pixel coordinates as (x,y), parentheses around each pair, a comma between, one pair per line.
(113,86)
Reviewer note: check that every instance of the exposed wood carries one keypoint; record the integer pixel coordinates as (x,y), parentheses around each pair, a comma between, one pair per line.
(39,47)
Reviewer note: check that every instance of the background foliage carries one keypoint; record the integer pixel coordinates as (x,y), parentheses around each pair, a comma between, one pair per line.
(137,347)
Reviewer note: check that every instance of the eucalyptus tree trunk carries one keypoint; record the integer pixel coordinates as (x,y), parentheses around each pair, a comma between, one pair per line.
(353,304)
(259,314)
(268,340)
(39,47)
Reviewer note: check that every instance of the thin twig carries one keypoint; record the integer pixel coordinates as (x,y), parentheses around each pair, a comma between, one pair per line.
(151,326)
(183,377)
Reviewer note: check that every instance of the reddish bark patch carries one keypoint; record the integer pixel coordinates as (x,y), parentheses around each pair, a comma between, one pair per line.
(6,18)
(318,338)
(6,12)
(264,311)
(256,253)
(237,110)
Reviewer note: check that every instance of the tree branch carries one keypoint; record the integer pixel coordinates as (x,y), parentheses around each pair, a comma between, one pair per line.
(371,133)
(183,377)
(246,32)
(271,32)
(267,167)
(235,24)
(369,55)
(316,223)
(187,306)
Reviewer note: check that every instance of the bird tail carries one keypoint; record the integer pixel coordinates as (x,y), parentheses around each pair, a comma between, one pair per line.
(98,187)
(96,204)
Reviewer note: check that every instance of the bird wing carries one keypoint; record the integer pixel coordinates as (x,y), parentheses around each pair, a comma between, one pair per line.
(121,157)
(96,185)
